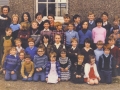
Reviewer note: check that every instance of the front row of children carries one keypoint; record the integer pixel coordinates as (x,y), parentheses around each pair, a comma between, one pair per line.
(53,70)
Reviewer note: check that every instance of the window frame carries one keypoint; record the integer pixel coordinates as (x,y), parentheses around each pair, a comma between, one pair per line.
(5,3)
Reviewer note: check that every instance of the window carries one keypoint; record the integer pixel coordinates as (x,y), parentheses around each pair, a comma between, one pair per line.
(56,7)
(4,2)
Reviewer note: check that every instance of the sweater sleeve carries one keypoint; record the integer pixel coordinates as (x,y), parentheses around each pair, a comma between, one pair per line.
(69,64)
(18,65)
(23,69)
(86,70)
(58,69)
(5,63)
(32,69)
(47,69)
(46,59)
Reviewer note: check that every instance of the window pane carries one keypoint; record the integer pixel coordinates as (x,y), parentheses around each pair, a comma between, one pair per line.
(51,0)
(62,9)
(42,9)
(41,0)
(51,9)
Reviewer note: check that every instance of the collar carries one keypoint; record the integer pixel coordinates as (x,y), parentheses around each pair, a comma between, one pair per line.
(39,21)
(46,30)
(105,23)
(112,46)
(73,48)
(91,22)
(45,44)
(31,48)
(106,55)
(100,49)
(14,55)
(70,30)
(57,44)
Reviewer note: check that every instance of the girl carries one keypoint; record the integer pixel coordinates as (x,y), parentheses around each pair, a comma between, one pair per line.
(78,70)
(52,69)
(24,34)
(87,50)
(65,64)
(22,56)
(84,33)
(91,74)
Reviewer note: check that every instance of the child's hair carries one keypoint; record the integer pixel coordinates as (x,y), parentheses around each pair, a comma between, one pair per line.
(115,27)
(13,48)
(24,25)
(66,16)
(27,56)
(5,6)
(22,17)
(22,51)
(17,39)
(57,35)
(99,42)
(111,38)
(52,53)
(98,20)
(15,15)
(46,21)
(41,47)
(104,13)
(74,39)
(31,40)
(8,29)
(63,50)
(91,13)
(34,22)
(80,56)
(47,37)
(39,13)
(87,40)
(107,46)
(91,57)
(51,16)
(71,23)
(76,16)
(83,23)
(56,24)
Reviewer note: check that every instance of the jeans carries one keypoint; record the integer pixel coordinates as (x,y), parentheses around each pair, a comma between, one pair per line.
(27,79)
(9,76)
(39,76)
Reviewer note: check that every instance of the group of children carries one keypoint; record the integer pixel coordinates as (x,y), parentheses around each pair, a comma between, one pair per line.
(86,51)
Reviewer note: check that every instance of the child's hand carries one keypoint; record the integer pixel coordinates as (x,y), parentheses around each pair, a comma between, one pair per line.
(46,79)
(62,69)
(6,18)
(117,66)
(37,69)
(20,36)
(99,78)
(76,54)
(25,77)
(77,76)
(66,69)
(12,72)
(58,79)
(4,71)
(88,79)
(26,36)
(29,76)
(40,69)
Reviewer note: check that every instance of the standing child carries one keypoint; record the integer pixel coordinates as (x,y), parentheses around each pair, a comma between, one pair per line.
(31,49)
(70,34)
(78,70)
(106,65)
(65,64)
(27,69)
(52,69)
(11,65)
(40,61)
(24,34)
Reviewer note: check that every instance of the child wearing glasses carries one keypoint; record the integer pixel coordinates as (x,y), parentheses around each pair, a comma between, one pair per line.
(52,69)
(40,61)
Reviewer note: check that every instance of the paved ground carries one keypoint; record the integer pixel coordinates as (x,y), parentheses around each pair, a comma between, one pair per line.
(20,85)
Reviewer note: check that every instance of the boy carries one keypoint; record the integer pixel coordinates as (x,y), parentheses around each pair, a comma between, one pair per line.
(91,17)
(31,50)
(11,65)
(105,65)
(27,69)
(76,20)
(40,61)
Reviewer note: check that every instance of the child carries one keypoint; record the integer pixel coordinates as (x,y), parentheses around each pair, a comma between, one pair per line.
(18,45)
(57,45)
(65,64)
(66,22)
(76,20)
(84,33)
(46,31)
(70,34)
(52,69)
(35,33)
(24,34)
(40,61)
(99,51)
(6,43)
(106,65)
(15,26)
(78,70)
(27,69)
(58,26)
(38,17)
(31,49)
(87,50)
(91,17)
(73,51)
(91,74)
(116,54)
(11,65)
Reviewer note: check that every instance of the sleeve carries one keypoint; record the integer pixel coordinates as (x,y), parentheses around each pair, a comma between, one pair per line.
(34,61)
(23,69)
(105,33)
(77,36)
(118,56)
(38,40)
(1,43)
(32,71)
(17,66)
(47,70)
(5,63)
(2,18)
(58,70)
(41,35)
(70,54)
(86,70)
(82,71)
(100,63)
(69,64)
(93,34)
(64,38)
(96,71)
(46,59)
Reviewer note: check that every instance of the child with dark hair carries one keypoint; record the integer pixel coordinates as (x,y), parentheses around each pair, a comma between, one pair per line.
(65,64)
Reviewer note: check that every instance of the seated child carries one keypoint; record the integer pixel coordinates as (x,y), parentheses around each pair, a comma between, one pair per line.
(52,69)
(65,64)
(27,69)
(11,65)
(78,70)
(91,74)
(40,61)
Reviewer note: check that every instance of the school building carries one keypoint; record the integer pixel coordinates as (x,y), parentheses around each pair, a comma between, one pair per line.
(61,7)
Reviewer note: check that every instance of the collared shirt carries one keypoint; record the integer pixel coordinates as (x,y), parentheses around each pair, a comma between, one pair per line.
(91,22)
(106,55)
(46,30)
(73,48)
(39,21)
(31,47)
(105,23)
(19,49)
(112,46)
(45,44)
(57,45)
(70,31)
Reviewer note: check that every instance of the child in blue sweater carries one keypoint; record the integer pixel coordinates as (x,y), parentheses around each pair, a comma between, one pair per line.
(40,61)
(31,50)
(11,65)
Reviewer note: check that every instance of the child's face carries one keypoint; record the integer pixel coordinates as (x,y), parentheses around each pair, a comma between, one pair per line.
(45,40)
(115,31)
(31,44)
(106,51)
(21,56)
(104,18)
(91,17)
(46,25)
(99,46)
(40,52)
(70,27)
(85,25)
(57,39)
(77,20)
(27,60)
(13,52)
(59,27)
(5,11)
(74,43)
(92,61)
(50,18)
(116,22)
(8,33)
(63,54)
(15,20)
(34,25)
(18,43)
(25,17)
(111,42)
(99,24)
(39,17)
(80,60)
(66,20)
(53,58)
(87,45)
